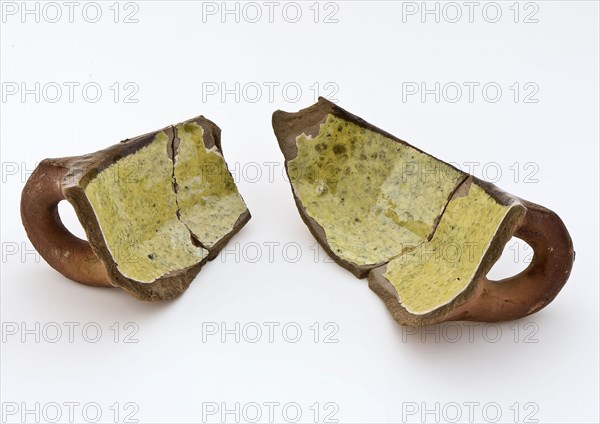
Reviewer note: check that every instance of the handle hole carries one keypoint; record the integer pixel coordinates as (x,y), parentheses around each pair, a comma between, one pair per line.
(516,257)
(70,220)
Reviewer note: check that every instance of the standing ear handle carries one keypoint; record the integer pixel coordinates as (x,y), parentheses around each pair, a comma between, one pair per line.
(538,284)
(68,254)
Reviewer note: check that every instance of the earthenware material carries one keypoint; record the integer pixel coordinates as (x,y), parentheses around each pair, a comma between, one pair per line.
(155,209)
(423,232)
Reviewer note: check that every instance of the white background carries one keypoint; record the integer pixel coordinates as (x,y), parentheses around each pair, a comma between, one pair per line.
(543,367)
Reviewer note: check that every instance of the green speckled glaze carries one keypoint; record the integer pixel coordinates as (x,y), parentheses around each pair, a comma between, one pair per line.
(138,209)
(373,196)
(208,198)
(137,214)
(439,270)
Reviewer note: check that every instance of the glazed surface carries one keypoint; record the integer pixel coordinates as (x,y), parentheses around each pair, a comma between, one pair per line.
(373,196)
(158,215)
(437,271)
(209,201)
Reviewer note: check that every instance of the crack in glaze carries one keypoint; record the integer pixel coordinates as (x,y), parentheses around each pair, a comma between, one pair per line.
(465,182)
(375,198)
(175,142)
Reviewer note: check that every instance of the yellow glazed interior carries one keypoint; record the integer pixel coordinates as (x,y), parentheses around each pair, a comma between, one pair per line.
(380,201)
(147,228)
(373,196)
(207,196)
(439,270)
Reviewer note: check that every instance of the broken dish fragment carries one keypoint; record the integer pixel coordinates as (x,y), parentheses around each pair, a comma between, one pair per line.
(155,208)
(424,232)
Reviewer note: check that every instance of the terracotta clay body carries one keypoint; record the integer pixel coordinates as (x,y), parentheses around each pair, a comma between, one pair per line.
(155,209)
(385,210)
